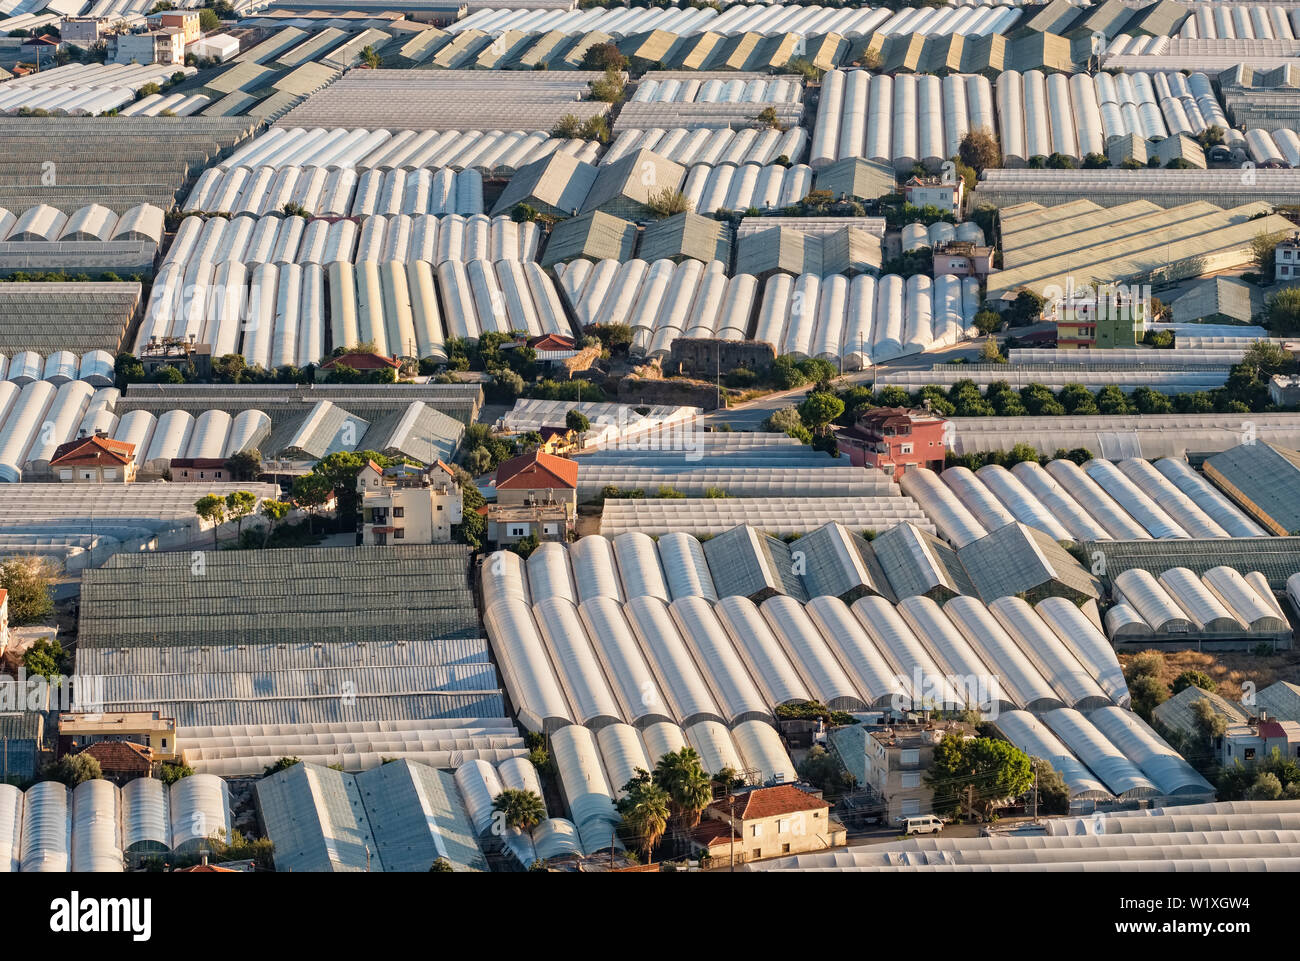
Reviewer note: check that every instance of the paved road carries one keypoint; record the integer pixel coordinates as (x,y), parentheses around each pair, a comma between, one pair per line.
(750,415)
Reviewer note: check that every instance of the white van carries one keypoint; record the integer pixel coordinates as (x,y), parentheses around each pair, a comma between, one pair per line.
(922,824)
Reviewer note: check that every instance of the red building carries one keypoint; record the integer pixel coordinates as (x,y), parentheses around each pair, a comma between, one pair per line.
(895,439)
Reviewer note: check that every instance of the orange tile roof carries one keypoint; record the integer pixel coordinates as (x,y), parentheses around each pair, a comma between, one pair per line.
(120,755)
(766,802)
(537,471)
(92,450)
(206,869)
(553,342)
(360,361)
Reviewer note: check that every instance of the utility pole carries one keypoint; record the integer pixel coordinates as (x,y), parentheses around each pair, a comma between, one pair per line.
(1035,795)
(731,820)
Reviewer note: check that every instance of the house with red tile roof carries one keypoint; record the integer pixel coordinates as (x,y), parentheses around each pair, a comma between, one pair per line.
(537,495)
(766,822)
(121,761)
(97,459)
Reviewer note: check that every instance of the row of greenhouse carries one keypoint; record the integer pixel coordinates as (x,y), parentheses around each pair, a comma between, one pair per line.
(88,89)
(338,192)
(746,187)
(1222,601)
(1080,115)
(758,90)
(762,19)
(609,646)
(95,367)
(36,418)
(1101,500)
(862,320)
(480,783)
(712,146)
(92,222)
(99,827)
(902,120)
(279,315)
(251,240)
(1233,21)
(343,148)
(1104,754)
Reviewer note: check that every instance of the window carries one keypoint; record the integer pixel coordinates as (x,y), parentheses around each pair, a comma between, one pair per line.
(110,473)
(911,806)
(907,448)
(399,511)
(909,756)
(65,475)
(756,831)
(439,507)
(164,744)
(517,530)
(911,779)
(399,533)
(200,475)
(756,853)
(785,849)
(782,825)
(1250,754)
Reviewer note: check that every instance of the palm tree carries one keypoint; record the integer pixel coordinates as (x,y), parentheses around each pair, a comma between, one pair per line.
(645,810)
(522,810)
(688,785)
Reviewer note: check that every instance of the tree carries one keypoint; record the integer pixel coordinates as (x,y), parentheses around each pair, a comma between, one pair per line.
(311,492)
(1267,787)
(212,508)
(1282,311)
(508,382)
(28,580)
(245,465)
(980,772)
(610,87)
(667,201)
(72,769)
(167,374)
(979,149)
(521,810)
(282,764)
(208,20)
(46,659)
(274,511)
(819,409)
(525,545)
(1146,693)
(171,773)
(645,807)
(240,504)
(1263,248)
(786,420)
(681,774)
(1192,678)
(1111,400)
(603,56)
(1053,793)
(1077,400)
(576,421)
(369,57)
(991,353)
(1210,724)
(441,866)
(987,321)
